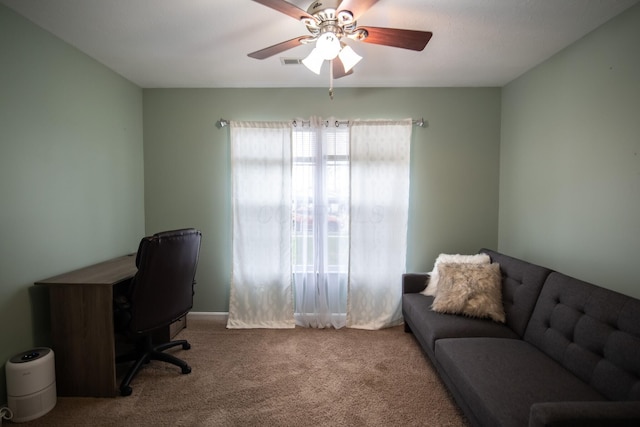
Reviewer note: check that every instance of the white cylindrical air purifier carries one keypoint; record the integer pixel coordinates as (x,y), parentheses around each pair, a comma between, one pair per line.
(31,384)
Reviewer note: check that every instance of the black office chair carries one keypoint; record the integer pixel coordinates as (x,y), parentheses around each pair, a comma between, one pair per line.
(160,293)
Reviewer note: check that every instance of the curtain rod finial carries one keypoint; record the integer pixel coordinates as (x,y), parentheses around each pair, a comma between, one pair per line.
(222,123)
(420,123)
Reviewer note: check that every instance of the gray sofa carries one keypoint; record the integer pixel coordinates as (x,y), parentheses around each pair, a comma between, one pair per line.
(567,355)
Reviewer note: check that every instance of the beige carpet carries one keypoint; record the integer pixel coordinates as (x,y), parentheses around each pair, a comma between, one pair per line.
(296,377)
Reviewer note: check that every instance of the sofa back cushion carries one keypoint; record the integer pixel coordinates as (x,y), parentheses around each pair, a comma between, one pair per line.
(591,331)
(521,285)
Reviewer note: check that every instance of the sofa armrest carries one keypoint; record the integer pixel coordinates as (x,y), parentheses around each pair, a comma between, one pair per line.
(412,283)
(585,414)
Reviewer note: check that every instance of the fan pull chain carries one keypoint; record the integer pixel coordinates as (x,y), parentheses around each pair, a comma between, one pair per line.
(331,79)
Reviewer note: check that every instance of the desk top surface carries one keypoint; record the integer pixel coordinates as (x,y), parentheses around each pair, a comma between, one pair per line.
(104,273)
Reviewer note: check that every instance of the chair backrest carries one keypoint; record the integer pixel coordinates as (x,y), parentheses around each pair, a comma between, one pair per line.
(162,289)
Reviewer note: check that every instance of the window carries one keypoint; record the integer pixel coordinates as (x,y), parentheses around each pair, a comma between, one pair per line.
(319,223)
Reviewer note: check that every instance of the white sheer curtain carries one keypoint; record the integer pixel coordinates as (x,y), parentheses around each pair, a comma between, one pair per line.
(380,154)
(261,293)
(319,223)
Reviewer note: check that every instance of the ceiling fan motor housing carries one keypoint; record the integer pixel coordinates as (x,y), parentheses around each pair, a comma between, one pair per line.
(323,5)
(329,19)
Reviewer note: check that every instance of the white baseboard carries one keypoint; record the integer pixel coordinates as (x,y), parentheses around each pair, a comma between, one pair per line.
(217,315)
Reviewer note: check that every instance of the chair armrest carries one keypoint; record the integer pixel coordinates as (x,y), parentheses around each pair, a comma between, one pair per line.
(412,283)
(585,414)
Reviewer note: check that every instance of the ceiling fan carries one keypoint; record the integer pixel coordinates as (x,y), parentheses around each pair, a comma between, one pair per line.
(329,22)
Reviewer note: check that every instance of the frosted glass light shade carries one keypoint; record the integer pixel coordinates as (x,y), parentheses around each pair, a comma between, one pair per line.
(314,61)
(329,45)
(349,58)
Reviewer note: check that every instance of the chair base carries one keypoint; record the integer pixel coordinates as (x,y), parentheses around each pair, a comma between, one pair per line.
(147,352)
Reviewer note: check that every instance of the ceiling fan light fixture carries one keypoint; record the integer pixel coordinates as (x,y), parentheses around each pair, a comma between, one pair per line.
(328,45)
(349,58)
(314,61)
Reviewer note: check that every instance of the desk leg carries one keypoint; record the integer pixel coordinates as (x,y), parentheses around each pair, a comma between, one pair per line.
(83,340)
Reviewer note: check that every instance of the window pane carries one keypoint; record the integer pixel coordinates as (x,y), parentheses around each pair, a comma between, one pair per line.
(320,194)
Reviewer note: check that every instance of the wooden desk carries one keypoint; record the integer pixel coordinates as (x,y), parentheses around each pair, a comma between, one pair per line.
(82,326)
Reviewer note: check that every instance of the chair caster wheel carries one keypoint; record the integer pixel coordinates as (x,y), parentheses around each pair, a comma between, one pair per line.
(186,369)
(126,391)
(186,346)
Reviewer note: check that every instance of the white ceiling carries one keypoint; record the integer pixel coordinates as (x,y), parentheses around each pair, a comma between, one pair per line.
(204,43)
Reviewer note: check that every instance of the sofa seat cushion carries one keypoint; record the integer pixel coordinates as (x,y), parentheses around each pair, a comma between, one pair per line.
(499,379)
(429,326)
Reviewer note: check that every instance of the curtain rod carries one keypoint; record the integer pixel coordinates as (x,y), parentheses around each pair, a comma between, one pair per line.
(421,123)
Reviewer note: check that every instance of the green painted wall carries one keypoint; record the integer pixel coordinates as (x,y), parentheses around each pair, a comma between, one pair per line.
(454,173)
(570,159)
(71,177)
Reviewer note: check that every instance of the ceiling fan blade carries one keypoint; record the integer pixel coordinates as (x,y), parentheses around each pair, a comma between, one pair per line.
(338,69)
(406,39)
(286,8)
(277,48)
(356,7)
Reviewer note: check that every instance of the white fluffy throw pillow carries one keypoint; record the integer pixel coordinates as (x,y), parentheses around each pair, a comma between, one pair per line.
(432,286)
(473,290)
